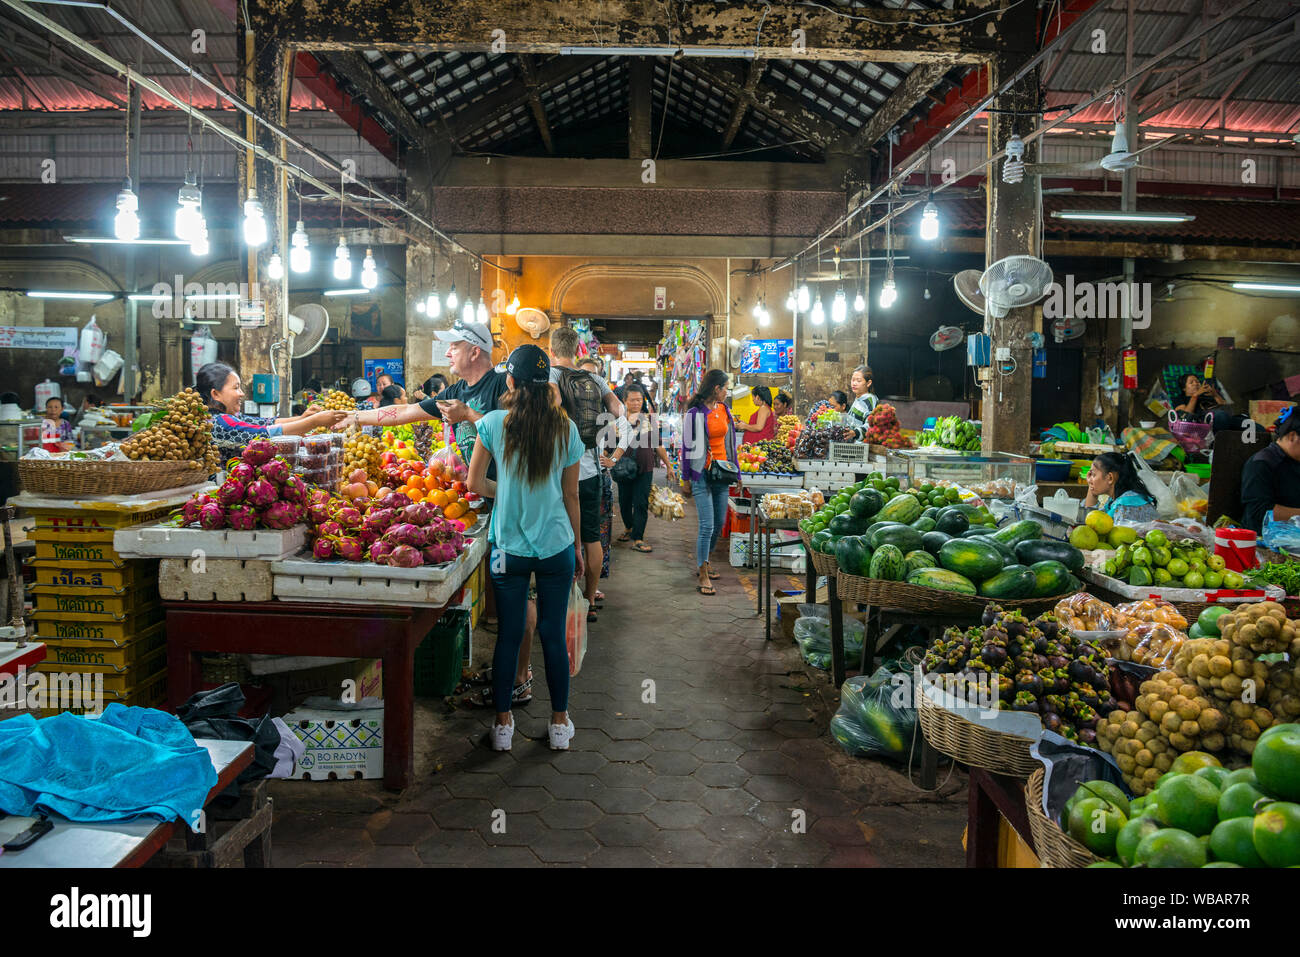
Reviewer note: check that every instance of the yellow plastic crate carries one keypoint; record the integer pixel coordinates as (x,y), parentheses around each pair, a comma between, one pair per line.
(85,654)
(78,550)
(151,693)
(106,515)
(116,680)
(93,577)
(117,632)
(95,606)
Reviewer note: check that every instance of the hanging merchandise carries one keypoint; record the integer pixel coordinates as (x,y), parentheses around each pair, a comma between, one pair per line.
(1130,363)
(47,390)
(1110,380)
(203,349)
(1040,364)
(93,342)
(107,368)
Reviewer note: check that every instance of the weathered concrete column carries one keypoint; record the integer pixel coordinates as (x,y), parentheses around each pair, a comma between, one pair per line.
(264,64)
(1013,229)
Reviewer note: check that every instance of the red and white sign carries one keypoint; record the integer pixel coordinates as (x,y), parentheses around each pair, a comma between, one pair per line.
(661,297)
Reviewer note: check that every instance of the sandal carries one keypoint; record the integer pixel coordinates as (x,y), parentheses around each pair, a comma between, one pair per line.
(600,597)
(625,537)
(641,547)
(521,695)
(705,589)
(484,677)
(591,614)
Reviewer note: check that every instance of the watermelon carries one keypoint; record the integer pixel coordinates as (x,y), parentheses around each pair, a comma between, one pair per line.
(1031,551)
(903,537)
(1014,581)
(903,509)
(952,522)
(852,555)
(919,559)
(933,541)
(975,560)
(1017,532)
(846,524)
(923,525)
(887,563)
(942,579)
(866,503)
(1050,578)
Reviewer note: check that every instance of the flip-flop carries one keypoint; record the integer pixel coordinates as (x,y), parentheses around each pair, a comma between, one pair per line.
(600,596)
(591,615)
(715,575)
(641,547)
(700,589)
(625,537)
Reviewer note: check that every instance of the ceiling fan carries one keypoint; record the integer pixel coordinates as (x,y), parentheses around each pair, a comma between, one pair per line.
(1120,159)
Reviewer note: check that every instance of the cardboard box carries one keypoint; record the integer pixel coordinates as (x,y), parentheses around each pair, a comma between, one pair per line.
(1265,411)
(341,745)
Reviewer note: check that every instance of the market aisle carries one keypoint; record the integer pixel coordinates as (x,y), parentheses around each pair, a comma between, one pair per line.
(709,772)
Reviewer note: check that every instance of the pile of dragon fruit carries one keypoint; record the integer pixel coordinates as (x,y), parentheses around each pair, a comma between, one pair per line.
(259,492)
(391,530)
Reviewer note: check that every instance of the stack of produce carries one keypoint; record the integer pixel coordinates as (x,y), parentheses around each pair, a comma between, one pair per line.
(260,491)
(952,432)
(391,530)
(883,428)
(1154,560)
(667,504)
(787,430)
(751,458)
(924,537)
(815,443)
(181,430)
(779,457)
(364,451)
(1036,666)
(334,399)
(1198,813)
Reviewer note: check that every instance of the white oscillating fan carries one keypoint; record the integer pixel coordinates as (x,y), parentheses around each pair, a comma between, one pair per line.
(946,337)
(1014,282)
(967,285)
(308,325)
(1065,329)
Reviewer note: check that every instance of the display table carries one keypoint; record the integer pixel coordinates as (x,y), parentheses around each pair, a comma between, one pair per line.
(390,633)
(766,526)
(118,843)
(993,796)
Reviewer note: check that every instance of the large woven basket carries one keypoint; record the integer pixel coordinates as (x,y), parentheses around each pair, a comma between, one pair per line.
(70,478)
(974,744)
(933,601)
(1053,846)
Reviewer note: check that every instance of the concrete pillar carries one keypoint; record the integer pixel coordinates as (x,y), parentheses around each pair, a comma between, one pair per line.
(1013,229)
(421,346)
(264,68)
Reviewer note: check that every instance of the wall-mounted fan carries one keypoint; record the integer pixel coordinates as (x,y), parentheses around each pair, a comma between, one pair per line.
(946,337)
(308,325)
(967,285)
(1014,282)
(532,321)
(1065,329)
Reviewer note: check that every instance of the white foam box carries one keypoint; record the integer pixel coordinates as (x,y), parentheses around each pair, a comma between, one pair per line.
(165,541)
(341,745)
(216,579)
(739,554)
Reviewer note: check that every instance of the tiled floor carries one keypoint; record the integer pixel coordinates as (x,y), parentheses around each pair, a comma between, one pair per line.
(698,743)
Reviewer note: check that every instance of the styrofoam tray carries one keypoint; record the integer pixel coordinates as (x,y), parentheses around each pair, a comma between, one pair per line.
(162,541)
(1195,596)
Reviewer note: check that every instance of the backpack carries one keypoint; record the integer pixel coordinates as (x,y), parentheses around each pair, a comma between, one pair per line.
(580,395)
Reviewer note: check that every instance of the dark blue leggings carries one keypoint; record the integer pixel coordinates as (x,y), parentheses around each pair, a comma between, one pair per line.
(510,576)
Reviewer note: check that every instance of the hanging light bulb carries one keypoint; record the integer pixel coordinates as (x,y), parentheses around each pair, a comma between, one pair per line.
(791,302)
(199,244)
(452,300)
(927,292)
(254,220)
(804,298)
(369,275)
(299,251)
(930,222)
(126,225)
(818,313)
(514,306)
(839,307)
(757,310)
(187,211)
(342,261)
(764,317)
(433,305)
(275,267)
(419,306)
(467,313)
(481,312)
(859,303)
(888,293)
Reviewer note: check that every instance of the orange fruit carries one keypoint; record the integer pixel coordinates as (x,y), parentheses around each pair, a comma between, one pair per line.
(454,510)
(416,481)
(439,497)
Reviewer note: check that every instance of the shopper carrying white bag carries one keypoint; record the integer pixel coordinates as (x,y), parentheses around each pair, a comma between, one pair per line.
(93,342)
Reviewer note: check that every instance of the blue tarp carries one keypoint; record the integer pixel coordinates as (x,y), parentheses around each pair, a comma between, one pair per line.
(126,764)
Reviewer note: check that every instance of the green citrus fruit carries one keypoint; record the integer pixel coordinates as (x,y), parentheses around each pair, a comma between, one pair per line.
(1212,774)
(1096,823)
(1276,761)
(1238,800)
(1233,840)
(1170,847)
(1190,761)
(1188,803)
(1239,776)
(1276,834)
(1131,835)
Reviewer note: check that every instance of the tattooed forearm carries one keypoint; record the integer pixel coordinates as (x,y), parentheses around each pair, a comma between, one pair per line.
(388,412)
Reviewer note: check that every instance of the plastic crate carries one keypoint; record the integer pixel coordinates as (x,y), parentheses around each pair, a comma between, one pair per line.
(848,453)
(439,657)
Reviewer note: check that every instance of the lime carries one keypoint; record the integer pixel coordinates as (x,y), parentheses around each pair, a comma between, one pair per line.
(1104,790)
(1189,761)
(1233,840)
(1276,761)
(1096,823)
(1276,834)
(1161,576)
(952,494)
(1131,835)
(1169,847)
(1188,803)
(1122,535)
(1238,800)
(1214,775)
(1239,776)
(1209,619)
(1177,567)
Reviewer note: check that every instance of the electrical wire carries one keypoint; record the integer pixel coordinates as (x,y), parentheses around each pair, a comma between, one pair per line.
(912,23)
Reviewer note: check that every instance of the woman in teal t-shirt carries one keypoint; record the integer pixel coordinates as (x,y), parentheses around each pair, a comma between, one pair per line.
(1115,475)
(534,529)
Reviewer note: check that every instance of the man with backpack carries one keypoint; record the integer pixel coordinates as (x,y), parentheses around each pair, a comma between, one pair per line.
(586,398)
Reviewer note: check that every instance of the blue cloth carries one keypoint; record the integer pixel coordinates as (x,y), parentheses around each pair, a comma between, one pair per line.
(695,442)
(711,507)
(126,764)
(528,520)
(510,576)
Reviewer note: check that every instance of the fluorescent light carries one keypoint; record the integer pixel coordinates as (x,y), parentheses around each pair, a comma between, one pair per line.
(803,299)
(85,296)
(433,305)
(211,296)
(126,224)
(513,307)
(480,311)
(359,291)
(1118,216)
(888,294)
(275,267)
(254,220)
(839,307)
(188,217)
(299,252)
(149,297)
(114,241)
(791,302)
(1268,287)
(859,303)
(930,222)
(451,299)
(467,312)
(818,313)
(200,246)
(369,275)
(342,261)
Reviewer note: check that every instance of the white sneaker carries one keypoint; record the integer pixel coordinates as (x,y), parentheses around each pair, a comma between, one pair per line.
(501,735)
(561,735)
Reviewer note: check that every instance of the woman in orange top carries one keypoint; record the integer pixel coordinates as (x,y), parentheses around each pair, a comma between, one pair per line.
(708,436)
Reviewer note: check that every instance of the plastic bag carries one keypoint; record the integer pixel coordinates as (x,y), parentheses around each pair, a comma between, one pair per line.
(1166,503)
(1194,435)
(1082,612)
(877,714)
(575,629)
(1154,610)
(92,342)
(448,461)
(1280,536)
(813,635)
(1151,643)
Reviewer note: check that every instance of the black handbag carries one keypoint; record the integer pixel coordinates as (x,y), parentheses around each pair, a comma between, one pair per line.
(723,473)
(625,469)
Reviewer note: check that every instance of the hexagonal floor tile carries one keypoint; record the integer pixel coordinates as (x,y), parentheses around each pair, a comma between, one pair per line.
(721,775)
(673,762)
(579,762)
(626,751)
(519,830)
(668,787)
(773,787)
(712,729)
(719,751)
(556,847)
(624,800)
(571,815)
(625,775)
(727,801)
(676,815)
(464,814)
(767,762)
(675,848)
(573,787)
(452,847)
(662,740)
(630,830)
(405,829)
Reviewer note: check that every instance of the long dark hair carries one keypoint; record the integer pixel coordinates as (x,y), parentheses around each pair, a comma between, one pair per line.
(212,377)
(763,394)
(390,395)
(1125,471)
(842,397)
(535,428)
(712,379)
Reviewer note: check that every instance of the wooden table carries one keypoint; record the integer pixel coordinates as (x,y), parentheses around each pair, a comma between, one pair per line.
(993,796)
(118,843)
(390,633)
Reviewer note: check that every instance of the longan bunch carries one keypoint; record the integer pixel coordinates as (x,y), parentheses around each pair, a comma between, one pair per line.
(336,400)
(1135,742)
(183,433)
(363,451)
(1284,690)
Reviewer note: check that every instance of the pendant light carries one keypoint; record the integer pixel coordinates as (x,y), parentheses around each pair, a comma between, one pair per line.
(467,314)
(199,245)
(481,313)
(254,220)
(369,274)
(818,313)
(804,298)
(275,268)
(888,291)
(452,299)
(189,199)
(860,300)
(126,224)
(513,307)
(930,222)
(342,258)
(299,248)
(839,307)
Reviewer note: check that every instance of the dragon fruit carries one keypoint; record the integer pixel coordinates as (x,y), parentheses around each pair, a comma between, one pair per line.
(294,490)
(394,500)
(261,493)
(379,552)
(348,517)
(241,518)
(212,517)
(420,513)
(438,554)
(367,537)
(277,470)
(231,492)
(190,510)
(350,549)
(380,518)
(405,534)
(329,527)
(322,548)
(405,556)
(281,515)
(458,541)
(258,452)
(319,496)
(243,472)
(317,514)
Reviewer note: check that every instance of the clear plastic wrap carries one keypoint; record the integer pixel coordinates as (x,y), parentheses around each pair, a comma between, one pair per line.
(813,635)
(1151,643)
(1082,612)
(877,715)
(1154,610)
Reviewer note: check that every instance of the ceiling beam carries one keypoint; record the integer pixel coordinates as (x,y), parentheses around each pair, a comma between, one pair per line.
(307,71)
(1194,90)
(908,93)
(969,34)
(528,69)
(427,98)
(510,95)
(785,109)
(753,73)
(354,68)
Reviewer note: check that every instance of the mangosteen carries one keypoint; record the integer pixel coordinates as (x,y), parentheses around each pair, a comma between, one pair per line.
(1062,683)
(1088,736)
(1051,720)
(1079,670)
(1015,626)
(995,634)
(994,655)
(991,612)
(1041,662)
(1049,625)
(1006,688)
(1024,701)
(1029,682)
(1100,680)
(1058,661)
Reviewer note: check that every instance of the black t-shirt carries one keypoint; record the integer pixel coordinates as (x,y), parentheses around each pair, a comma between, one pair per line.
(482,397)
(1271,477)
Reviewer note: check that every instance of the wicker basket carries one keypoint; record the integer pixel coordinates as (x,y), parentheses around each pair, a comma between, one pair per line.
(1053,846)
(974,744)
(71,478)
(931,601)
